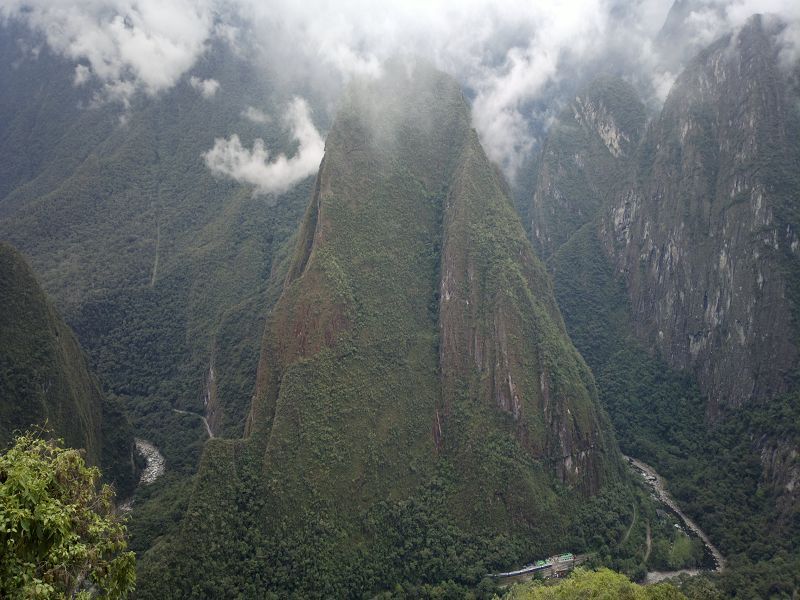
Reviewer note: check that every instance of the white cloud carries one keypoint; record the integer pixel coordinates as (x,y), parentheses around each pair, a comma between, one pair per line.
(738,11)
(82,75)
(710,19)
(127,45)
(206,87)
(229,158)
(255,115)
(508,55)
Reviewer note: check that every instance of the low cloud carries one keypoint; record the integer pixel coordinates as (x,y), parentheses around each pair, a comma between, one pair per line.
(126,45)
(707,20)
(82,75)
(738,11)
(516,59)
(256,116)
(508,55)
(206,87)
(229,158)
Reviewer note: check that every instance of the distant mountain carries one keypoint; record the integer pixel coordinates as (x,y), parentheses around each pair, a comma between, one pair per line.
(45,381)
(586,151)
(680,288)
(415,372)
(160,268)
(707,232)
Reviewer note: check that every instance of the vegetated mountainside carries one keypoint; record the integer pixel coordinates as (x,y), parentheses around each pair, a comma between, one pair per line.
(680,294)
(420,413)
(586,151)
(44,378)
(160,268)
(407,206)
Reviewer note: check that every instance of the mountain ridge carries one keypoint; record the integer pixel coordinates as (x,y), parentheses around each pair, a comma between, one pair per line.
(46,382)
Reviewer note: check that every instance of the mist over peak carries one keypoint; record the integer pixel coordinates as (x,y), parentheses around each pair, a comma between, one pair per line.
(517,61)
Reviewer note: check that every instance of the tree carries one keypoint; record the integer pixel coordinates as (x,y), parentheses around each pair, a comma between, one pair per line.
(59,532)
(602,584)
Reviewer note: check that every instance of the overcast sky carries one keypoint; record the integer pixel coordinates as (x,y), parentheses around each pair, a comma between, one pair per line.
(506,54)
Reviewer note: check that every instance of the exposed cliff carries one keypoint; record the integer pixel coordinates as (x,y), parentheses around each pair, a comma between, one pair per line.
(681,293)
(706,232)
(44,378)
(585,153)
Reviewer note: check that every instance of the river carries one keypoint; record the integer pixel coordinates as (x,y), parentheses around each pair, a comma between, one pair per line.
(154,462)
(154,467)
(656,482)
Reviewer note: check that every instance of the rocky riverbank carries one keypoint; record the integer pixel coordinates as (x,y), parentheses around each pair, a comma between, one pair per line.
(155,463)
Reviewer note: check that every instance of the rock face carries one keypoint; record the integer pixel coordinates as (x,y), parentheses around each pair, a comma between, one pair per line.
(676,267)
(502,340)
(416,324)
(585,153)
(44,378)
(706,232)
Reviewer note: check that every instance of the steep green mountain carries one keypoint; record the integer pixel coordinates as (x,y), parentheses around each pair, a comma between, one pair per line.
(680,294)
(374,251)
(420,413)
(45,381)
(586,151)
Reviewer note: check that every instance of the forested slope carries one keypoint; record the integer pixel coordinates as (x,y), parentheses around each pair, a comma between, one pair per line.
(45,382)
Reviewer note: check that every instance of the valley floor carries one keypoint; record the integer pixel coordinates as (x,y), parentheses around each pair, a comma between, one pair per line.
(654,480)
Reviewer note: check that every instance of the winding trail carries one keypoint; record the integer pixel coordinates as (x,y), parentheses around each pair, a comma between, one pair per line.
(205,421)
(657,483)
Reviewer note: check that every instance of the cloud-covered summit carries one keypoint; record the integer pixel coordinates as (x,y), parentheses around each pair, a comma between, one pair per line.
(513,57)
